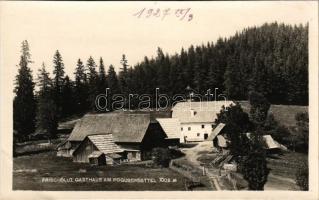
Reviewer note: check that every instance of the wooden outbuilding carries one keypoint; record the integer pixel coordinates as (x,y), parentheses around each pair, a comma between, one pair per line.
(64,149)
(96,149)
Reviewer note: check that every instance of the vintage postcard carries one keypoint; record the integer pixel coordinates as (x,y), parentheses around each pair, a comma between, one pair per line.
(159,100)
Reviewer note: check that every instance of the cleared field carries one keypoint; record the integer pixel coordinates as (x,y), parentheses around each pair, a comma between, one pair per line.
(36,172)
(284,114)
(286,165)
(282,171)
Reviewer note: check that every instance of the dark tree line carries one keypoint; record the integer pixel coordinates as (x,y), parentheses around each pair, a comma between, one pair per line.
(271,59)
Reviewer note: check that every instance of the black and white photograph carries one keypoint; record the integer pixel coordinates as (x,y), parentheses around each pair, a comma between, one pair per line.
(189,97)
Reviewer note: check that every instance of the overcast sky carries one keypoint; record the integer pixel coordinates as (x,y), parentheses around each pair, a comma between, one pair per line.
(105,29)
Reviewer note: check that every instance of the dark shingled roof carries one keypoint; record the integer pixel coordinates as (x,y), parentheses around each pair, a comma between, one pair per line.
(105,143)
(123,126)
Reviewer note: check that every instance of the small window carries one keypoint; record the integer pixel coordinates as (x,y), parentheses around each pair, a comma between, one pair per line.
(181,128)
(212,125)
(198,134)
(203,126)
(189,128)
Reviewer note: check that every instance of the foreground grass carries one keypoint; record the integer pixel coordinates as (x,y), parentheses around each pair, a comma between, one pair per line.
(30,171)
(284,114)
(286,165)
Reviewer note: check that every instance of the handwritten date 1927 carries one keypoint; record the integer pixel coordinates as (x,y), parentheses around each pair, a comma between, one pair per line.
(180,13)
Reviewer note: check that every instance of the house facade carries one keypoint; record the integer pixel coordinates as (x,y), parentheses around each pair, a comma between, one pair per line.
(197,119)
(196,131)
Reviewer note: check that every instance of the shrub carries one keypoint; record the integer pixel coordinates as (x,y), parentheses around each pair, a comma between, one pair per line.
(278,131)
(303,130)
(280,134)
(255,171)
(302,176)
(161,157)
(175,153)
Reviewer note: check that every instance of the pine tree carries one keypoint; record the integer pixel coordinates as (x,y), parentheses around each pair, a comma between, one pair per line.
(112,81)
(47,119)
(25,51)
(81,88)
(24,104)
(175,76)
(188,69)
(67,93)
(102,77)
(198,71)
(123,75)
(58,79)
(44,81)
(162,65)
(113,84)
(232,82)
(93,79)
(212,78)
(219,62)
(92,74)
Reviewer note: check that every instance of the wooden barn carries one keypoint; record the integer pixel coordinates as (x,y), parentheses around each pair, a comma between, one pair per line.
(64,149)
(97,149)
(120,136)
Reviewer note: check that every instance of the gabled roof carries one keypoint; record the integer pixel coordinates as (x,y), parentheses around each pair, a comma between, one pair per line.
(222,142)
(124,127)
(105,143)
(269,142)
(171,127)
(216,131)
(203,112)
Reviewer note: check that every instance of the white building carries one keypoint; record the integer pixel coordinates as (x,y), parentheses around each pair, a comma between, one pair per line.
(197,118)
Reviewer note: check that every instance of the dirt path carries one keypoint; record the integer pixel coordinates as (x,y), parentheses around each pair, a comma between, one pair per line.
(193,153)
